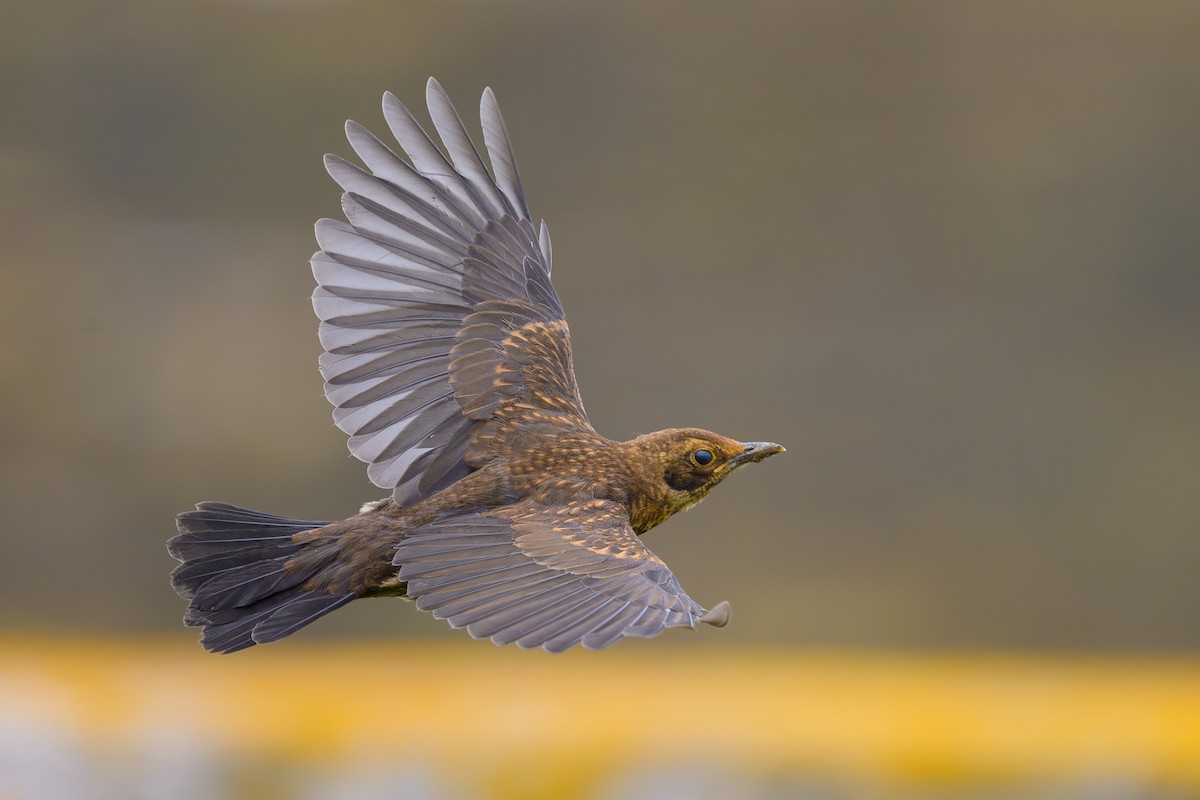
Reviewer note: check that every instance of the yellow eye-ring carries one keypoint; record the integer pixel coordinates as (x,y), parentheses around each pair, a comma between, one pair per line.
(702,457)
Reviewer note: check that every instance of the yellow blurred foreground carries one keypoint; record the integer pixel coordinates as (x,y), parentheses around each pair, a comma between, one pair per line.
(151,718)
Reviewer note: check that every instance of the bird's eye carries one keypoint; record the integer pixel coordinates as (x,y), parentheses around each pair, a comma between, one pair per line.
(702,457)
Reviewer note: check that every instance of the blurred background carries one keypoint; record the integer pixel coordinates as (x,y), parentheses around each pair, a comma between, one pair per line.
(946,253)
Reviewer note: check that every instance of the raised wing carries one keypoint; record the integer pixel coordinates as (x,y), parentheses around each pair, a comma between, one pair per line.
(435,299)
(549,578)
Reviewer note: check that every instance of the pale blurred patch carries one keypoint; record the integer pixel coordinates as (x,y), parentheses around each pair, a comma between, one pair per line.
(142,718)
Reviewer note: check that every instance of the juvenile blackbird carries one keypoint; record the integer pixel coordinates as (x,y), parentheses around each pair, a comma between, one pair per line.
(448,361)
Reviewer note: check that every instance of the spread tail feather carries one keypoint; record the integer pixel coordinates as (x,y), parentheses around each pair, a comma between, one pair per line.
(242,578)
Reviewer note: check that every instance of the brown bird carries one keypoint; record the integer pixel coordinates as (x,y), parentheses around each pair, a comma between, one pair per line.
(448,361)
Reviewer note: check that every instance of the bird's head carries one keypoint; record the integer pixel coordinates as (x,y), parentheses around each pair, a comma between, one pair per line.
(677,467)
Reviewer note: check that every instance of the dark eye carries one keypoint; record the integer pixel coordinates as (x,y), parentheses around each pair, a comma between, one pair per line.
(703,457)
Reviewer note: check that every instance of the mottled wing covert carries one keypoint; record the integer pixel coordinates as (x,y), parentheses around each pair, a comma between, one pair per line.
(546,577)
(435,299)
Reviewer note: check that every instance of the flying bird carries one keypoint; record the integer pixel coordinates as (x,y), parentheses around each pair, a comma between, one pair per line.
(448,362)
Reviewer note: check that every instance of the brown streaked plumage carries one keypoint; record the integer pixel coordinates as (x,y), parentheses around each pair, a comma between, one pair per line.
(448,361)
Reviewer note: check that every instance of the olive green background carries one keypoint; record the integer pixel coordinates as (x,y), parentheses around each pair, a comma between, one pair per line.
(947,253)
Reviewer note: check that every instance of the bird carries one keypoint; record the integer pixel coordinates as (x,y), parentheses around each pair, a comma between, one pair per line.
(448,361)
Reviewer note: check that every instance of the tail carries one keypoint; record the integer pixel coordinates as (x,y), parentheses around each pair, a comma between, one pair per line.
(243,577)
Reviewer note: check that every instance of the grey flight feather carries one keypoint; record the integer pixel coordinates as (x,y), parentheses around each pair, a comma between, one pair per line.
(527,575)
(426,241)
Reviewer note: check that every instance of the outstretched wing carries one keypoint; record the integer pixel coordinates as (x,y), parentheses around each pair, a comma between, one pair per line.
(435,299)
(545,577)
